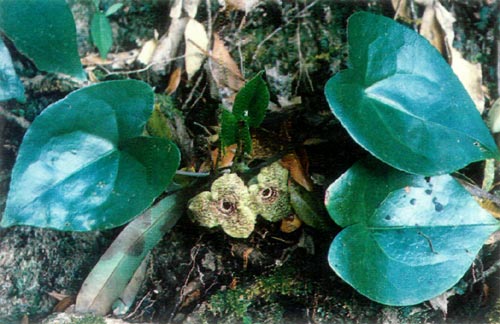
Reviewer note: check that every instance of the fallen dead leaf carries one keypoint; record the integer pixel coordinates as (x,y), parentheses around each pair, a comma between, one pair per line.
(402,9)
(168,44)
(64,303)
(290,224)
(225,159)
(147,50)
(241,5)
(224,69)
(298,170)
(471,76)
(191,7)
(174,81)
(493,118)
(441,302)
(432,29)
(196,46)
(94,59)
(437,27)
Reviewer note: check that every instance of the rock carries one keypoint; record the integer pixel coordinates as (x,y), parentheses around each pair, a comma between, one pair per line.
(34,262)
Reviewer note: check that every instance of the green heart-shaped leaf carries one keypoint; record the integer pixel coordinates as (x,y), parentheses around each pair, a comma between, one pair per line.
(402,102)
(84,164)
(411,240)
(45,32)
(251,101)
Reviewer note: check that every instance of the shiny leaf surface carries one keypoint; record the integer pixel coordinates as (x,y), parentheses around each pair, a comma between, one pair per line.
(405,243)
(402,102)
(84,164)
(45,32)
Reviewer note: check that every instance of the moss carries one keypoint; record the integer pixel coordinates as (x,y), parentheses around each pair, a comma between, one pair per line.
(88,320)
(269,293)
(494,314)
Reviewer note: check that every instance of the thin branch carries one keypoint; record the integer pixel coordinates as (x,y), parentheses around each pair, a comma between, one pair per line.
(147,67)
(18,119)
(298,15)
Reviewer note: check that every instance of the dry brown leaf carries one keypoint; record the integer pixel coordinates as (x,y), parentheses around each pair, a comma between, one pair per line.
(290,224)
(174,81)
(122,60)
(437,27)
(241,5)
(94,59)
(441,302)
(196,46)
(176,9)
(493,119)
(432,30)
(147,50)
(298,170)
(402,9)
(471,76)
(225,71)
(64,303)
(226,159)
(168,44)
(191,7)
(57,296)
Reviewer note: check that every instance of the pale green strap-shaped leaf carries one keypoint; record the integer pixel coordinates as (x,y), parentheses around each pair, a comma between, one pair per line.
(122,305)
(107,281)
(45,32)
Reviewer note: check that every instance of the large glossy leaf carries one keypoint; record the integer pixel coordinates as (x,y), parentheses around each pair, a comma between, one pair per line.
(409,241)
(108,279)
(45,32)
(84,164)
(401,101)
(10,85)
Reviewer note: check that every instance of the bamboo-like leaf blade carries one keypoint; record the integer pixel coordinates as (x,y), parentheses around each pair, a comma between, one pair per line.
(104,285)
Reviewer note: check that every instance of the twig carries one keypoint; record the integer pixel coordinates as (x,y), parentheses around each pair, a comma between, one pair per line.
(428,241)
(298,15)
(301,63)
(494,268)
(191,94)
(18,119)
(147,67)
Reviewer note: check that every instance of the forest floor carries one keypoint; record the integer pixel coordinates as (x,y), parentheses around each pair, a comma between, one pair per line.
(197,275)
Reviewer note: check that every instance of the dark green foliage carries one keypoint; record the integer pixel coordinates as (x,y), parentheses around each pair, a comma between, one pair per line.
(45,32)
(403,241)
(402,102)
(249,110)
(84,164)
(102,35)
